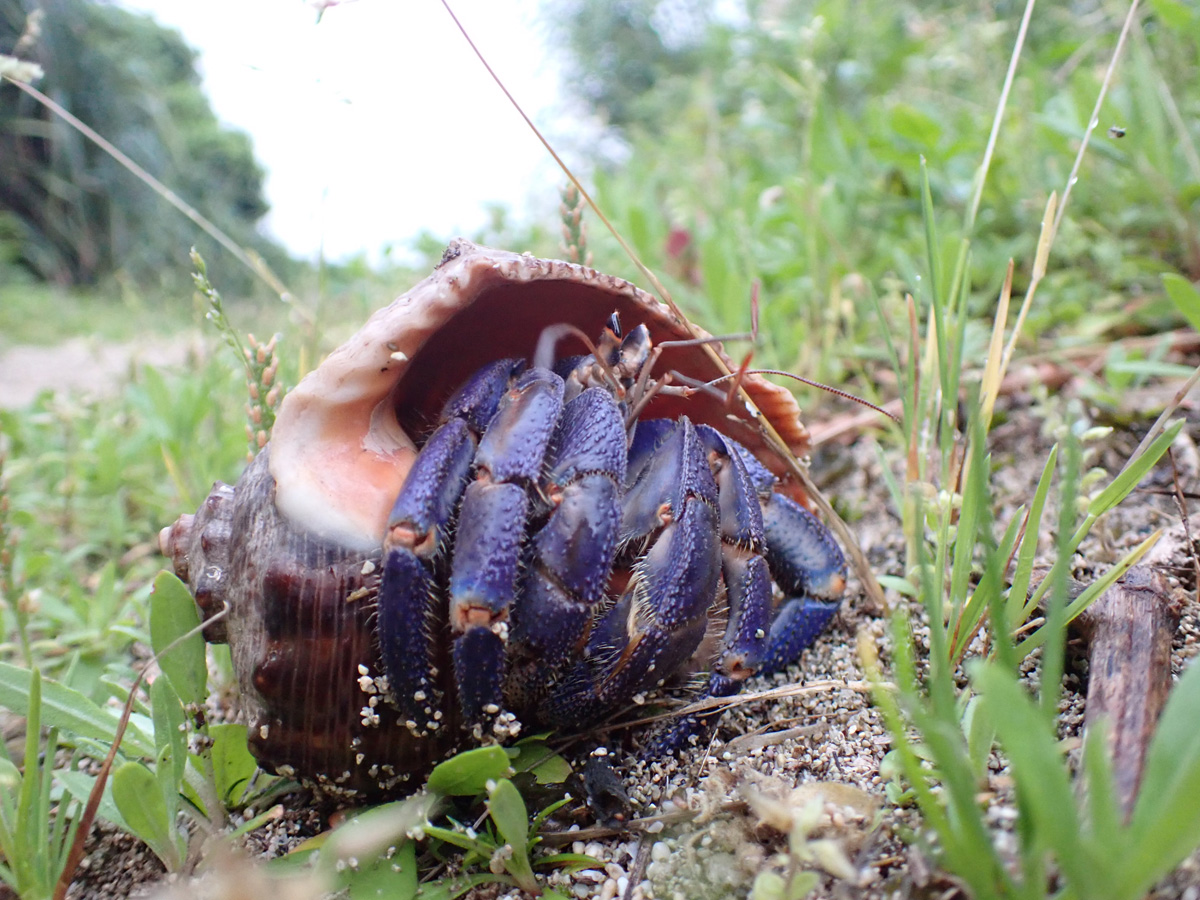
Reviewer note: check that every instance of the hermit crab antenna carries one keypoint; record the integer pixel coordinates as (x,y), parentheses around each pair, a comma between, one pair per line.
(547,346)
(816,384)
(735,384)
(712,339)
(754,289)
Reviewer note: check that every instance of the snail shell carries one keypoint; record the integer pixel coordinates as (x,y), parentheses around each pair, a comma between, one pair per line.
(294,548)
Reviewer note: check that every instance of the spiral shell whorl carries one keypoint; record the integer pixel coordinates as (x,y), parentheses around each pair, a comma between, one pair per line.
(299,627)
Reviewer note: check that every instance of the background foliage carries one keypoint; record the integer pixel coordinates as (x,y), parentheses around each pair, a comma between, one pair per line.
(72,214)
(780,144)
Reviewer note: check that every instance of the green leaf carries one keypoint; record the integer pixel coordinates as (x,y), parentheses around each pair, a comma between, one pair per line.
(1185,296)
(173,614)
(544,764)
(80,784)
(1043,786)
(895,583)
(507,809)
(980,732)
(375,831)
(1165,826)
(469,772)
(31,781)
(569,861)
(69,710)
(135,791)
(1149,368)
(768,886)
(1089,596)
(458,839)
(385,876)
(233,764)
(910,123)
(1175,14)
(1128,479)
(1018,612)
(1101,791)
(170,738)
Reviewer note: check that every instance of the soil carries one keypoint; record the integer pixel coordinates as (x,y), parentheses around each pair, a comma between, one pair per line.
(772,755)
(82,365)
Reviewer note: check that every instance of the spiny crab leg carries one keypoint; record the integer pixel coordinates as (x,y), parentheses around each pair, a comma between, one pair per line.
(661,617)
(410,612)
(571,556)
(487,552)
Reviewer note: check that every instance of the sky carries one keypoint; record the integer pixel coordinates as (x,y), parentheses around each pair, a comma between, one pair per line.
(377,122)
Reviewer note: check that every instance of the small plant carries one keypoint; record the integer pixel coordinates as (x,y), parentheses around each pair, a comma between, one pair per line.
(1068,844)
(199,769)
(37,824)
(387,848)
(170,766)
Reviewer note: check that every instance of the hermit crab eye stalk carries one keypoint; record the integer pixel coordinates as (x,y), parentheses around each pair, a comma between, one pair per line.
(614,324)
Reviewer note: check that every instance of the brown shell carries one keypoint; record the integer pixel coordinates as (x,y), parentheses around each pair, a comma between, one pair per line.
(294,547)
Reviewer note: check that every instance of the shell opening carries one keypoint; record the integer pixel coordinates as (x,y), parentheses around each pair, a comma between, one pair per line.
(344,438)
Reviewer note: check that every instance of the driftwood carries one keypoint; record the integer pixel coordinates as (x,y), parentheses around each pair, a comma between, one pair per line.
(1129,631)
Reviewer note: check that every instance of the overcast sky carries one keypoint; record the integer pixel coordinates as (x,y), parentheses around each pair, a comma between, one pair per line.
(378,121)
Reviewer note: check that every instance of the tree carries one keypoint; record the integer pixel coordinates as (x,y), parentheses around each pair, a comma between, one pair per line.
(616,52)
(78,214)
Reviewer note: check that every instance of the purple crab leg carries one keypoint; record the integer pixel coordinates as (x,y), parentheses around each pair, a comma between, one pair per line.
(810,569)
(647,437)
(661,618)
(487,549)
(747,590)
(409,612)
(805,562)
(747,577)
(571,556)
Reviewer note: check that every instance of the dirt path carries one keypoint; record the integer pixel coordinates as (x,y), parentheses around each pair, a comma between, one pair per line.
(89,366)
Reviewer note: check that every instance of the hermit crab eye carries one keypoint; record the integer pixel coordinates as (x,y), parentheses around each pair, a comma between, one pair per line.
(614,324)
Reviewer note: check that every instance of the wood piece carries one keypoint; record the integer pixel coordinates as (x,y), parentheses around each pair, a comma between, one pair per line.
(1129,670)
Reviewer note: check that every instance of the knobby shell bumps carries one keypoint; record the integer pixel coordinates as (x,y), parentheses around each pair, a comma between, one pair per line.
(296,548)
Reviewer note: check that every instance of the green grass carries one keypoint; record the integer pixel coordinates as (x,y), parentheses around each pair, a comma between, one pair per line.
(836,161)
(42,315)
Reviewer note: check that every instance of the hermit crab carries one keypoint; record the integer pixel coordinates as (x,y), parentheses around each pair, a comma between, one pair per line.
(507,502)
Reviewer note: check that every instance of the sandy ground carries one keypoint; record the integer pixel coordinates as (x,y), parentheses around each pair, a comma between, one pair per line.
(88,366)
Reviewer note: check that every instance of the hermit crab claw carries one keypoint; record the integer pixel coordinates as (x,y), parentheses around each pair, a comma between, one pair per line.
(294,549)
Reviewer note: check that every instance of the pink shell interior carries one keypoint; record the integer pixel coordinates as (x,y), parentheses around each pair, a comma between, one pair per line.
(340,449)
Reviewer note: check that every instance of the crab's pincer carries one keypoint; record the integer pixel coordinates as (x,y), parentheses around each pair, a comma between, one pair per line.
(571,555)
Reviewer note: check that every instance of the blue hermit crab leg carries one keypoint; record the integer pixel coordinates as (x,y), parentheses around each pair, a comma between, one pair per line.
(743,566)
(487,551)
(747,589)
(661,618)
(805,562)
(410,616)
(571,556)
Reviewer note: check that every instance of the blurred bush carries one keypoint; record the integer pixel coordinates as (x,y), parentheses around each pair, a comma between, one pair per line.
(781,141)
(79,215)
